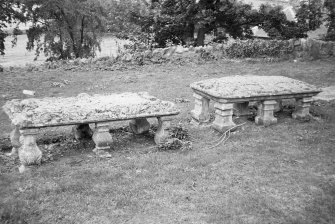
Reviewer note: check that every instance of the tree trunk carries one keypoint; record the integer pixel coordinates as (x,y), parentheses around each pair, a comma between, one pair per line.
(80,51)
(201,37)
(188,35)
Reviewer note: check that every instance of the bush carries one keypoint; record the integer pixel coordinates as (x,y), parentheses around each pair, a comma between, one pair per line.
(256,48)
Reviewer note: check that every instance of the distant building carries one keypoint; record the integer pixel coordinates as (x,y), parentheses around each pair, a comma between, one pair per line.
(259,33)
(287,9)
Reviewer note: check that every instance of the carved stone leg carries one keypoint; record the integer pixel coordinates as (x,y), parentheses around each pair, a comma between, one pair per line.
(302,107)
(15,140)
(29,153)
(223,116)
(241,109)
(265,113)
(163,133)
(201,109)
(139,126)
(82,131)
(102,139)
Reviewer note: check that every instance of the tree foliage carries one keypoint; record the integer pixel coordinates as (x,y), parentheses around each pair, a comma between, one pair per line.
(330,19)
(65,28)
(9,12)
(176,21)
(309,14)
(118,20)
(273,20)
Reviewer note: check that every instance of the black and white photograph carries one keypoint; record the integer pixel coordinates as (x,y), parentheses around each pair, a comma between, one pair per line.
(167,111)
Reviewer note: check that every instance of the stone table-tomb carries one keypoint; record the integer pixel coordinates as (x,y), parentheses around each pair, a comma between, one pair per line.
(236,92)
(30,115)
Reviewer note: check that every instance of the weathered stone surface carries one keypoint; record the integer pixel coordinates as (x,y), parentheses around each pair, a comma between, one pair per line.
(162,134)
(29,153)
(239,90)
(85,108)
(223,117)
(265,113)
(179,49)
(252,86)
(302,108)
(169,51)
(314,49)
(201,109)
(327,94)
(16,141)
(101,137)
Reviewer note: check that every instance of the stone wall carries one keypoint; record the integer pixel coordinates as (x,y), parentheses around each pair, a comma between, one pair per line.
(311,48)
(306,48)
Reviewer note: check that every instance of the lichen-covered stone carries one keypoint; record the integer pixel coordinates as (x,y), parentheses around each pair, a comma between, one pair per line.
(232,87)
(85,108)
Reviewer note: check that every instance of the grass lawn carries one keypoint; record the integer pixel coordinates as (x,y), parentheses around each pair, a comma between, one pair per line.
(284,173)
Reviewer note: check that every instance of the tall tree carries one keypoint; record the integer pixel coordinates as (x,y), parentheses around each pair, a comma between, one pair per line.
(69,28)
(330,8)
(118,20)
(176,20)
(10,11)
(273,21)
(310,14)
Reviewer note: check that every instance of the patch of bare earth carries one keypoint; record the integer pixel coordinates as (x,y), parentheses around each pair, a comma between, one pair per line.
(284,173)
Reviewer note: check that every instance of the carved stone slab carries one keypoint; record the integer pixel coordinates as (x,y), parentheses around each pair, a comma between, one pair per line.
(84,108)
(240,87)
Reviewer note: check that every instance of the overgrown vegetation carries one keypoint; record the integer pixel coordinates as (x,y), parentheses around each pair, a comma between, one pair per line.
(65,29)
(69,28)
(8,14)
(257,48)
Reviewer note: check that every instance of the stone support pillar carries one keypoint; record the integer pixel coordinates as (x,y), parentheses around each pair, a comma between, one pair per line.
(265,113)
(139,126)
(302,107)
(29,153)
(223,116)
(82,131)
(15,140)
(163,131)
(241,109)
(102,139)
(201,109)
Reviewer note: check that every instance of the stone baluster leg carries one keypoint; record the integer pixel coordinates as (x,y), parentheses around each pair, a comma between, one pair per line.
(223,116)
(302,107)
(102,139)
(200,113)
(163,130)
(15,140)
(241,109)
(265,113)
(82,131)
(139,125)
(29,153)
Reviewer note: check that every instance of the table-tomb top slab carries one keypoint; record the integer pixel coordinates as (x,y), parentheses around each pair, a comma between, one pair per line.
(85,108)
(247,86)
